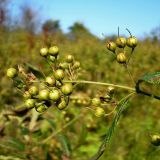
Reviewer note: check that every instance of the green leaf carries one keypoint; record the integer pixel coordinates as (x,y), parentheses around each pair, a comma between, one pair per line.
(17,82)
(152,78)
(35,71)
(149,79)
(66,144)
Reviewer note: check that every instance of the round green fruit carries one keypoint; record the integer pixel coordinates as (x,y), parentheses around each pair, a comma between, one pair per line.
(43,94)
(33,90)
(42,85)
(41,108)
(26,95)
(62,105)
(67,88)
(99,112)
(30,103)
(111,90)
(11,72)
(54,50)
(155,140)
(132,42)
(69,58)
(52,58)
(50,81)
(59,74)
(54,95)
(111,46)
(43,52)
(76,65)
(121,42)
(64,65)
(58,84)
(96,102)
(121,58)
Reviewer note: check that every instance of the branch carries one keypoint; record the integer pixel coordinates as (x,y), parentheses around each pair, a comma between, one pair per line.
(103,84)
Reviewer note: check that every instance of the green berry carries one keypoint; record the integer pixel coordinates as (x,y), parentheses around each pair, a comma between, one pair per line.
(155,140)
(69,58)
(33,90)
(132,42)
(99,112)
(62,105)
(52,58)
(79,101)
(76,65)
(51,81)
(121,58)
(58,84)
(121,42)
(11,72)
(67,88)
(64,65)
(43,94)
(26,95)
(53,50)
(111,46)
(30,103)
(111,90)
(54,95)
(43,52)
(42,86)
(41,108)
(67,119)
(96,102)
(59,74)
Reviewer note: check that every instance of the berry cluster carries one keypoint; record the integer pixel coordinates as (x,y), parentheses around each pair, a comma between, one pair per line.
(121,43)
(52,89)
(99,103)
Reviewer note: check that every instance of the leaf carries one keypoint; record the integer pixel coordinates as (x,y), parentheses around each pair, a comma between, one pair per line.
(152,79)
(111,129)
(17,82)
(66,144)
(35,71)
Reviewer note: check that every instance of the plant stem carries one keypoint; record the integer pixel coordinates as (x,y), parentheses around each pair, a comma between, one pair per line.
(129,73)
(103,84)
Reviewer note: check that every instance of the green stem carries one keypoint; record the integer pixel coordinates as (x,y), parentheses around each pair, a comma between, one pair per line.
(103,84)
(129,73)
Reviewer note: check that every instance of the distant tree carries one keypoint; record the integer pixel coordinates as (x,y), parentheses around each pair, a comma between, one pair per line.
(155,33)
(29,23)
(78,27)
(3,12)
(28,19)
(51,26)
(78,30)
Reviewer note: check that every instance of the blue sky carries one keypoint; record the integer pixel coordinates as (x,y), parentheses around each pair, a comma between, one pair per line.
(100,16)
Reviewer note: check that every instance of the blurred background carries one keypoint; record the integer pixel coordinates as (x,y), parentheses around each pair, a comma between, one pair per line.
(80,28)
